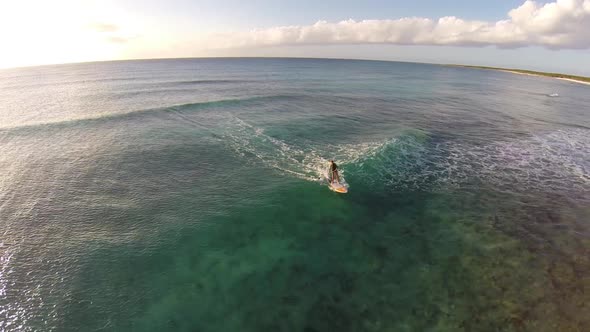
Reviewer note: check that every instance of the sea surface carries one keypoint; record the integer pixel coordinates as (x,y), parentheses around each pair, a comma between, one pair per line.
(186,195)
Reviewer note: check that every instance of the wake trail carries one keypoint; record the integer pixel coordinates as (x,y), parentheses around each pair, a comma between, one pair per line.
(309,163)
(551,162)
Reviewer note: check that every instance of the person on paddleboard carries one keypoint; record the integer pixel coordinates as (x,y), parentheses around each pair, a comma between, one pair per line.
(334,177)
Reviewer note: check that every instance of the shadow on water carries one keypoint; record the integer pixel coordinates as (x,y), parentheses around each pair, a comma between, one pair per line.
(306,259)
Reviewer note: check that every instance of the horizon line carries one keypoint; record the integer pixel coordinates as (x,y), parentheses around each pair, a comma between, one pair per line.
(285,57)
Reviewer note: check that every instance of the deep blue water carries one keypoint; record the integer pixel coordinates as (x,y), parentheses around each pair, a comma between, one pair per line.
(184,195)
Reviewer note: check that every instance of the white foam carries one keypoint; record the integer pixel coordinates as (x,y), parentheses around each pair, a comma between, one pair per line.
(309,163)
(556,162)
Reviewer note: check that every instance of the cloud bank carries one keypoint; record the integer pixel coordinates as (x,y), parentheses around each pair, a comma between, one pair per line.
(564,24)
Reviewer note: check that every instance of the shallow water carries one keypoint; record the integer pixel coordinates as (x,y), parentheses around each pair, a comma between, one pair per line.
(183,195)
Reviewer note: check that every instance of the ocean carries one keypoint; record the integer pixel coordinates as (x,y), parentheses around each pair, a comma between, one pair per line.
(186,195)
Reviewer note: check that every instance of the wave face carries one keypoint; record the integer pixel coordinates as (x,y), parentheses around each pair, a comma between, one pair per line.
(552,162)
(188,195)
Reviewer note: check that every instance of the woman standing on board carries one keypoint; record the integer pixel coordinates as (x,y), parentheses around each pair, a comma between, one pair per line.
(334,172)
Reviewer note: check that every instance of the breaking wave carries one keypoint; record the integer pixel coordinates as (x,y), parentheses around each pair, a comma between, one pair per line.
(309,163)
(555,162)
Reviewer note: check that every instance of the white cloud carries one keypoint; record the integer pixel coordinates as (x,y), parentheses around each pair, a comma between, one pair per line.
(558,25)
(103,27)
(111,33)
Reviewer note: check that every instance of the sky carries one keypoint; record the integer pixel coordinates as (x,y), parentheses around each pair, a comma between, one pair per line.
(538,35)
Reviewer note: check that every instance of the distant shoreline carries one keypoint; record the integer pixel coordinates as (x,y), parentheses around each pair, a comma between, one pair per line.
(563,77)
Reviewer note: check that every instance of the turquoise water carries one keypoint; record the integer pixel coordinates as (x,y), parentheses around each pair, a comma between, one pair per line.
(183,195)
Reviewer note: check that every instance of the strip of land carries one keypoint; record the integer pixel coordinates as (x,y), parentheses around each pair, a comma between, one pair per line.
(565,77)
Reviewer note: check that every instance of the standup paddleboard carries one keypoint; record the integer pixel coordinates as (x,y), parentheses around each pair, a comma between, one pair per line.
(338,187)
